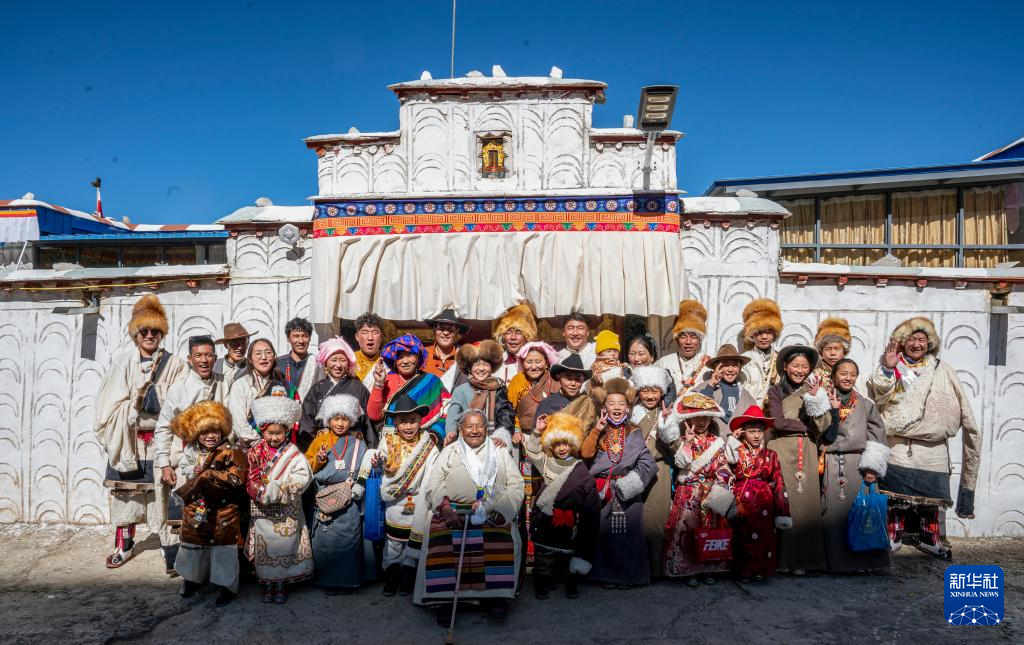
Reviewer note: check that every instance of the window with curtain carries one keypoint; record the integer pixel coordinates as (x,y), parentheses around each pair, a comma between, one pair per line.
(853,219)
(924,217)
(992,216)
(798,229)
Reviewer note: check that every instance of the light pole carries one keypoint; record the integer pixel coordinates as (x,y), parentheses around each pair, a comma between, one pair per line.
(657,103)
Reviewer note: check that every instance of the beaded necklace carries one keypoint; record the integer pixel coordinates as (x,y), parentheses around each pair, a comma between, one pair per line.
(846,407)
(615,440)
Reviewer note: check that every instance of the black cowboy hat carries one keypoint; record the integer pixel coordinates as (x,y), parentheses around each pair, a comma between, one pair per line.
(786,354)
(403,404)
(448,316)
(571,363)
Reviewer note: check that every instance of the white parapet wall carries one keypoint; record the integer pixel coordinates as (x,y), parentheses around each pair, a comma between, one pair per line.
(51,467)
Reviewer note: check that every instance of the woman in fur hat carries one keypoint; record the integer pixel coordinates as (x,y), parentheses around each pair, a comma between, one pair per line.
(516,327)
(482,392)
(401,372)
(833,344)
(339,366)
(340,554)
(257,380)
(211,484)
(703,486)
(623,468)
(762,326)
(278,542)
(566,519)
(687,363)
(804,416)
(127,409)
(651,383)
(924,406)
(859,454)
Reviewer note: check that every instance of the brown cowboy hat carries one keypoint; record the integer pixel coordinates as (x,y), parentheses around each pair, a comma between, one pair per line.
(728,352)
(234,331)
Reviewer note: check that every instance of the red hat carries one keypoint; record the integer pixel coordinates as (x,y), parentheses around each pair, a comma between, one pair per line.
(754,413)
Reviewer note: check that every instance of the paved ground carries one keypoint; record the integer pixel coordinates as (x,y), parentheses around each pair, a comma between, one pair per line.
(54,588)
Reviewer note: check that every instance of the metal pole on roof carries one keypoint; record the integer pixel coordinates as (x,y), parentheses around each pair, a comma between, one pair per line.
(452,71)
(21,256)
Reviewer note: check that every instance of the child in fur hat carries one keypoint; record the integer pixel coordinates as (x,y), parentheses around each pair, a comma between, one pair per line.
(703,494)
(623,468)
(278,543)
(833,344)
(566,517)
(482,391)
(762,326)
(762,504)
(335,457)
(211,484)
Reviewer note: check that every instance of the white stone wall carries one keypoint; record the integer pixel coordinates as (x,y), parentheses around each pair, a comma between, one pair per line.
(437,151)
(51,468)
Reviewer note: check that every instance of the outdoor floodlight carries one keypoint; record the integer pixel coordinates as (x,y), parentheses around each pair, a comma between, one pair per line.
(656,105)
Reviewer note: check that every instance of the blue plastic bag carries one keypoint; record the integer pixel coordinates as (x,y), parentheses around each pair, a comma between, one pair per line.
(373,508)
(866,525)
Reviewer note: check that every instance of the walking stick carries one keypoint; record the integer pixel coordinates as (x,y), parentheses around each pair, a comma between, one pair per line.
(450,638)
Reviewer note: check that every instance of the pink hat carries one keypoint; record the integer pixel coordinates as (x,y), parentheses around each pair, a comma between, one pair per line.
(332,346)
(542,347)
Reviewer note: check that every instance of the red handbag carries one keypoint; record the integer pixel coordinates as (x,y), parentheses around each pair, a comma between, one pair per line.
(713,545)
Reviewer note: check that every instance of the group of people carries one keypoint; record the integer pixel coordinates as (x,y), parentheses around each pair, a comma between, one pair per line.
(448,469)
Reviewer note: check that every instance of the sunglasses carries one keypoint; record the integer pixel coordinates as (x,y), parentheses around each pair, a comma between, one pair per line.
(150,332)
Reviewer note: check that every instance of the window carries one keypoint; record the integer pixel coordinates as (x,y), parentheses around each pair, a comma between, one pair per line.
(142,255)
(493,157)
(978,226)
(47,256)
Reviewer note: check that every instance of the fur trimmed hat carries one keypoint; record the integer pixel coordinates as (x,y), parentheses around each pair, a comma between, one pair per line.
(486,350)
(651,376)
(562,428)
(519,316)
(833,330)
(692,317)
(275,409)
(340,405)
(147,313)
(199,418)
(915,324)
(614,386)
(759,315)
(695,404)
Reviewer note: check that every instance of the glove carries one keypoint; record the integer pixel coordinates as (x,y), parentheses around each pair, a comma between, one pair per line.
(965,503)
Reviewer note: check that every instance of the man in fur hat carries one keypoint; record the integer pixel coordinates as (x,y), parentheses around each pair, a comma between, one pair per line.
(687,364)
(516,327)
(762,326)
(200,383)
(127,409)
(923,405)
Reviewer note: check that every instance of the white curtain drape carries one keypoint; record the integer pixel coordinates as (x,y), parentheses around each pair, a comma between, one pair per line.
(410,277)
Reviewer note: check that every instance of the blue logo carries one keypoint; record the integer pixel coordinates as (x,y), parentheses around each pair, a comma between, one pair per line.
(974,595)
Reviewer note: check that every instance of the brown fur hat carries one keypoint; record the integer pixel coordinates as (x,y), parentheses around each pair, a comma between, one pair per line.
(833,330)
(486,350)
(918,323)
(199,418)
(519,316)
(147,313)
(759,315)
(693,316)
(614,386)
(562,427)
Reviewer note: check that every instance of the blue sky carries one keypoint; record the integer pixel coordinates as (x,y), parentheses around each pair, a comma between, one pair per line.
(190,110)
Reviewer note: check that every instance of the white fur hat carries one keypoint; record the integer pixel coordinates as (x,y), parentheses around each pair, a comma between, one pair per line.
(651,376)
(340,405)
(275,409)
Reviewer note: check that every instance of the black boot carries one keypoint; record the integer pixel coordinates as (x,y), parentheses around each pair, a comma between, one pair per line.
(407,580)
(391,575)
(224,598)
(572,586)
(188,589)
(541,586)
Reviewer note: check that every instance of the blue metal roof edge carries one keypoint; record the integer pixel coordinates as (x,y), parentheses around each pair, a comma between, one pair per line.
(153,235)
(855,174)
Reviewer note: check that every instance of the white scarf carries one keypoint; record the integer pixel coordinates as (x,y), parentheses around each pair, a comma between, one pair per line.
(482,472)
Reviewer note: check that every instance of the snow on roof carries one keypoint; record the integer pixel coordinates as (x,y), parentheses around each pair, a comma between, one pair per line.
(269,215)
(39,275)
(354,137)
(731,206)
(999,151)
(630,133)
(67,211)
(487,83)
